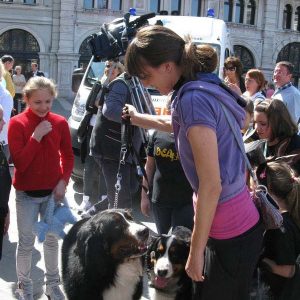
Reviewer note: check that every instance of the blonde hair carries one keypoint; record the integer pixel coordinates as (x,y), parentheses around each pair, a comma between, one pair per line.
(2,70)
(39,83)
(281,182)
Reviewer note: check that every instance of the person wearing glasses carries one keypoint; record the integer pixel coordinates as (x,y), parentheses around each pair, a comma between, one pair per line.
(233,70)
(92,175)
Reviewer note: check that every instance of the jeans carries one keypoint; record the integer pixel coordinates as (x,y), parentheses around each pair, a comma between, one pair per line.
(129,182)
(171,216)
(28,210)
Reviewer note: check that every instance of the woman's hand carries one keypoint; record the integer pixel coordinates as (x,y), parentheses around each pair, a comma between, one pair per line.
(234,87)
(59,191)
(41,130)
(6,223)
(145,205)
(195,265)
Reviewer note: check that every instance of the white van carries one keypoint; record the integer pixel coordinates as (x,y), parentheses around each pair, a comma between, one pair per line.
(202,30)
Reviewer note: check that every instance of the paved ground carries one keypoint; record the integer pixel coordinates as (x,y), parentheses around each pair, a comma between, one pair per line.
(7,264)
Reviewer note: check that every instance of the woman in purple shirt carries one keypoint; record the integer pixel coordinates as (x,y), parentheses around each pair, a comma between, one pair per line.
(227,234)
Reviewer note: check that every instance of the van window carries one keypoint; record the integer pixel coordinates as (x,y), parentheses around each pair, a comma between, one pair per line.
(95,73)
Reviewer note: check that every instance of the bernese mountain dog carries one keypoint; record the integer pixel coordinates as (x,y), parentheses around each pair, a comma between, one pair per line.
(165,262)
(102,257)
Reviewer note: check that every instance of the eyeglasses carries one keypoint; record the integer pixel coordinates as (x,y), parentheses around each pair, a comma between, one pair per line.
(232,69)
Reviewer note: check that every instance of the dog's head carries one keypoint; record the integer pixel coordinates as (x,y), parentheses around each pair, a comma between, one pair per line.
(110,235)
(166,258)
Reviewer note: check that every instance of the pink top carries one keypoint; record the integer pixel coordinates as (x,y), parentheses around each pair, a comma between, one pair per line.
(233,217)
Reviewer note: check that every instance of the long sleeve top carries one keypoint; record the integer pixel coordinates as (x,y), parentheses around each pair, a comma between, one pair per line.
(6,102)
(39,165)
(9,83)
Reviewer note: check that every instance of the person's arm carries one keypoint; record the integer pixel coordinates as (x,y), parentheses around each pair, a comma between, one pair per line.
(145,201)
(159,122)
(286,271)
(203,142)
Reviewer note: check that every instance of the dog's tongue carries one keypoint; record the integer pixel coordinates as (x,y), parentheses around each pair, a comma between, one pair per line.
(160,282)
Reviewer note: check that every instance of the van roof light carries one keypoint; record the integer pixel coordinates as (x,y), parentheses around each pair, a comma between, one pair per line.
(210,13)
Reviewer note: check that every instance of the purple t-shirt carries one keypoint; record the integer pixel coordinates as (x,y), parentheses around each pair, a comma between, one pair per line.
(236,212)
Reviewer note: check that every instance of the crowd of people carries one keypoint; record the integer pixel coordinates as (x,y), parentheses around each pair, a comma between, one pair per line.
(194,173)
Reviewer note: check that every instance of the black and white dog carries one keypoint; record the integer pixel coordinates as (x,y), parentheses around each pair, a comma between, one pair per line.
(102,257)
(165,261)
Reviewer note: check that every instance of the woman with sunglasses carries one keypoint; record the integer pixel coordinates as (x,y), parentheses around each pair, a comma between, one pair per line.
(233,70)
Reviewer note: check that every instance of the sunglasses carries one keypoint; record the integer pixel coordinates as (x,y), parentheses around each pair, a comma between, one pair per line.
(233,69)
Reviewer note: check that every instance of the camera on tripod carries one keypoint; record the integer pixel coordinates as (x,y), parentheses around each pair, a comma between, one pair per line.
(113,38)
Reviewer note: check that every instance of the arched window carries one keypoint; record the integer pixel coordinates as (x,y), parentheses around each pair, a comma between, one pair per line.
(245,56)
(287,17)
(228,8)
(250,15)
(22,46)
(85,54)
(239,11)
(154,6)
(196,8)
(297,19)
(175,7)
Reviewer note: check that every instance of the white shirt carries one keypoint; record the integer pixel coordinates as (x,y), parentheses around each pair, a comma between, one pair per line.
(6,101)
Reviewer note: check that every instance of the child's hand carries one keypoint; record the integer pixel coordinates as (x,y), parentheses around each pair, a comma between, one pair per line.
(41,130)
(59,191)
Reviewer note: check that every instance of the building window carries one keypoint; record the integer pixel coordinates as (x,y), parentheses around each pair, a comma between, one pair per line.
(297,19)
(251,7)
(116,4)
(102,4)
(228,8)
(29,1)
(245,56)
(85,53)
(239,11)
(154,6)
(175,7)
(287,17)
(196,8)
(88,4)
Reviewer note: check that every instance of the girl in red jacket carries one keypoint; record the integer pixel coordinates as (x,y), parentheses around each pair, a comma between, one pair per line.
(41,150)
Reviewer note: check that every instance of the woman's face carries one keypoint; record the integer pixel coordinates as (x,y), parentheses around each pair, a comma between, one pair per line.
(109,71)
(251,85)
(262,125)
(162,78)
(40,102)
(18,71)
(230,72)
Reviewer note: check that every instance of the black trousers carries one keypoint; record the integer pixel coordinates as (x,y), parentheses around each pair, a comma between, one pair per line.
(2,219)
(229,266)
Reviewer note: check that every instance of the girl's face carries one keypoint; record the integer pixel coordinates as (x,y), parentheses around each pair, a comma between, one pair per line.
(162,78)
(262,125)
(251,85)
(40,102)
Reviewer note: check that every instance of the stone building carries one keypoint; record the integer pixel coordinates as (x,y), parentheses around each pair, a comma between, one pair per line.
(54,32)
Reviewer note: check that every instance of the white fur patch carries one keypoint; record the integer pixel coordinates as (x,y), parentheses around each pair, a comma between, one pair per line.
(126,279)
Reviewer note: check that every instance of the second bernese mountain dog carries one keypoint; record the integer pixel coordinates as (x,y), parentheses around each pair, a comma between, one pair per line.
(165,262)
(102,257)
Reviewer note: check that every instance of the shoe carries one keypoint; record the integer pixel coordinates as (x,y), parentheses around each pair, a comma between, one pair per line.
(24,294)
(53,291)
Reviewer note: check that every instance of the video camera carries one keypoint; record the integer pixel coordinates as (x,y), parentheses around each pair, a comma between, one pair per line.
(113,38)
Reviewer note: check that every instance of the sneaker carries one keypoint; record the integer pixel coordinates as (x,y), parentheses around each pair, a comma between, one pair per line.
(53,291)
(24,294)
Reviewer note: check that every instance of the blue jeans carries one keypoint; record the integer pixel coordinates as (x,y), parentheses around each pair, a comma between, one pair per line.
(166,217)
(129,182)
(28,210)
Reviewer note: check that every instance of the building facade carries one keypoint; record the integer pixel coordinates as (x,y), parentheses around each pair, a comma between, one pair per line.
(54,32)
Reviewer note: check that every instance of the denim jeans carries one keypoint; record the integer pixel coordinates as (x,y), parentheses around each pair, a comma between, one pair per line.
(129,182)
(28,209)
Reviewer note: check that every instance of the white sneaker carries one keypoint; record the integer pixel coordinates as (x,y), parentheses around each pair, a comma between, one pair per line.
(24,294)
(53,291)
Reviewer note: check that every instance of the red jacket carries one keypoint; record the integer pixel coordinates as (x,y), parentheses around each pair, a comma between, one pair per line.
(39,165)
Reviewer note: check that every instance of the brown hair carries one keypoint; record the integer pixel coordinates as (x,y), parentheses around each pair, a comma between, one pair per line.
(258,76)
(278,178)
(233,61)
(279,119)
(154,45)
(289,66)
(39,83)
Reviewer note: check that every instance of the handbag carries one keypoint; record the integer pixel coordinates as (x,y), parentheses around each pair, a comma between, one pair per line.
(270,215)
